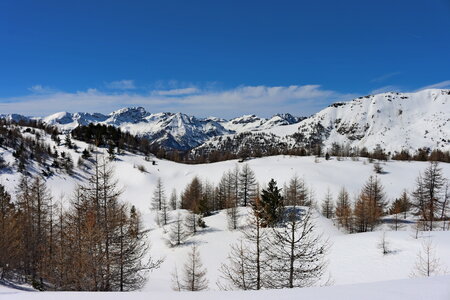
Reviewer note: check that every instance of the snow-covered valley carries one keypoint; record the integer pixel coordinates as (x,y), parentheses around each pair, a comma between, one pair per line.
(352,258)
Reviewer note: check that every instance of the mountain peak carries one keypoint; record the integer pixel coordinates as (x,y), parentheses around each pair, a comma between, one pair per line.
(245,119)
(288,118)
(128,115)
(128,110)
(62,117)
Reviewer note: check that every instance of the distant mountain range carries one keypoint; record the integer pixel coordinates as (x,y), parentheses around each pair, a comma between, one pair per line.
(395,121)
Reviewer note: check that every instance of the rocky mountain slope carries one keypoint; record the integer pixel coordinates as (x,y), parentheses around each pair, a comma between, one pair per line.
(395,121)
(170,130)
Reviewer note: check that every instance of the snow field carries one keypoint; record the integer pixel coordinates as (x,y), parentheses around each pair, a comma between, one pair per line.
(352,258)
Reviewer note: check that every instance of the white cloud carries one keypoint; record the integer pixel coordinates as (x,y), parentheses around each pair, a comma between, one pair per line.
(176,92)
(300,100)
(125,84)
(440,85)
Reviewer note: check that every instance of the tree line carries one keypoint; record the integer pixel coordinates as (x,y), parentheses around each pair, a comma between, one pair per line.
(429,201)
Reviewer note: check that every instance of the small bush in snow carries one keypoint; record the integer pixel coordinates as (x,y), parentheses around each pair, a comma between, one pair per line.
(142,168)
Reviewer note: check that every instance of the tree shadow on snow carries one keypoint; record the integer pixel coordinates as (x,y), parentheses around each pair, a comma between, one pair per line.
(207,230)
(16,286)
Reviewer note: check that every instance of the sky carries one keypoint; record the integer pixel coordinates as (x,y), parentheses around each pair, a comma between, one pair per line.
(216,58)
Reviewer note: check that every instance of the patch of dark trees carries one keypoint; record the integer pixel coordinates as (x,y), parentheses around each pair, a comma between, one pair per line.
(241,146)
(25,140)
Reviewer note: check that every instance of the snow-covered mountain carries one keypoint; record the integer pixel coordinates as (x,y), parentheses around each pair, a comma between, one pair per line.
(253,123)
(395,121)
(68,121)
(170,130)
(14,117)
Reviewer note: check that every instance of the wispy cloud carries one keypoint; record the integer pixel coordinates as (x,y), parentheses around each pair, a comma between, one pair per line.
(440,85)
(385,89)
(384,77)
(125,84)
(39,89)
(262,100)
(176,92)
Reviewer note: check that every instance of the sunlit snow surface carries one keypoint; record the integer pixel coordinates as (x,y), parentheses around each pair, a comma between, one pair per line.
(352,258)
(435,288)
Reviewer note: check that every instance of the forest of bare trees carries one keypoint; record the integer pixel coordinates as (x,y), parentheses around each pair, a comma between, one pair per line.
(95,244)
(237,188)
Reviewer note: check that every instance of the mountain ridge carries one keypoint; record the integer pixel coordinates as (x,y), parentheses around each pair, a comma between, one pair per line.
(393,121)
(171,130)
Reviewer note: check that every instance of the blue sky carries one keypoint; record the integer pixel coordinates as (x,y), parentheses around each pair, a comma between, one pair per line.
(222,58)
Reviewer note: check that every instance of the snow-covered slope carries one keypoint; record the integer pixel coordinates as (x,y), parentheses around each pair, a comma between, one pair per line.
(436,288)
(68,121)
(254,123)
(395,121)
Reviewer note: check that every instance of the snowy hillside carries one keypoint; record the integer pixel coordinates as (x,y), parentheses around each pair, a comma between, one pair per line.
(395,121)
(436,288)
(353,258)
